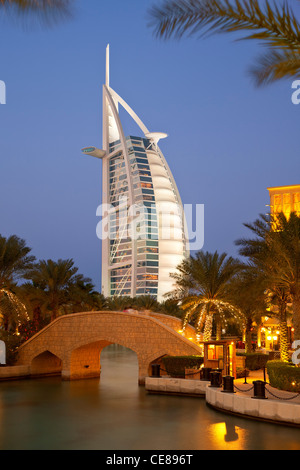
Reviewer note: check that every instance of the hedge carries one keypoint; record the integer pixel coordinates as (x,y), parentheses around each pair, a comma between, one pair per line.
(255,361)
(284,376)
(175,365)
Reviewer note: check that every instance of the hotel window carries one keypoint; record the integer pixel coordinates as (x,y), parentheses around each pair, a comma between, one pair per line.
(277,203)
(287,204)
(297,203)
(146,180)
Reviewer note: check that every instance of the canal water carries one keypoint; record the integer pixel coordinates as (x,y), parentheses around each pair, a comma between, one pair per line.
(117,414)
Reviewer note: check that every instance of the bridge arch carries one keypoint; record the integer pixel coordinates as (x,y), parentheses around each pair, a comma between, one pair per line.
(77,340)
(46,363)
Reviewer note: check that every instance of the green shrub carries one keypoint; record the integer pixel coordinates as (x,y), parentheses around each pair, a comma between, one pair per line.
(255,361)
(175,365)
(284,376)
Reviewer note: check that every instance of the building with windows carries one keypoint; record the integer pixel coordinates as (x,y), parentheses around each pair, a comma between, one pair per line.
(143,226)
(285,199)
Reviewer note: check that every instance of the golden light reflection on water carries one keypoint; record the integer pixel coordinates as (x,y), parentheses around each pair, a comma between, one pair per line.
(225,435)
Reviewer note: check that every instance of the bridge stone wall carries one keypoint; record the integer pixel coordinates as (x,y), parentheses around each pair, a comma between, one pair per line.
(72,344)
(176,324)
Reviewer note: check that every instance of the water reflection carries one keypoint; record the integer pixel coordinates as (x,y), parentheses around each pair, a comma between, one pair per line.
(116,414)
(227,432)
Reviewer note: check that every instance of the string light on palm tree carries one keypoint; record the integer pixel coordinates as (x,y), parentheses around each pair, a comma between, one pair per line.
(14,300)
(201,287)
(15,262)
(204,310)
(12,310)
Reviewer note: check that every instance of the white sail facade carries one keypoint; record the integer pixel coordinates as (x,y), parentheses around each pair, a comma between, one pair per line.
(145,237)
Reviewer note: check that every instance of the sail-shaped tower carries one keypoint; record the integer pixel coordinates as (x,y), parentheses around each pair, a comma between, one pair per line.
(145,237)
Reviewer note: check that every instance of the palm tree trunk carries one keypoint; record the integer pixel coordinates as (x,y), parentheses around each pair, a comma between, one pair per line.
(37,315)
(219,331)
(248,336)
(259,336)
(208,327)
(296,316)
(284,343)
(53,315)
(54,312)
(54,306)
(5,322)
(248,342)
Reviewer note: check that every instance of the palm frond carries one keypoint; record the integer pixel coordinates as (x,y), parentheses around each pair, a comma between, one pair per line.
(276,65)
(275,26)
(15,259)
(46,12)
(271,24)
(12,307)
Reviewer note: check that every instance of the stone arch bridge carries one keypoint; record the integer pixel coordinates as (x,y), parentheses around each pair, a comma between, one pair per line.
(71,345)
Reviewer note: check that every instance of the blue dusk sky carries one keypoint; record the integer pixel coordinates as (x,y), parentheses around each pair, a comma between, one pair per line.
(228,141)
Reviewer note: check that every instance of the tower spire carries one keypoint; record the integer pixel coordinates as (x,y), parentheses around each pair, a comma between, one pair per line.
(107,66)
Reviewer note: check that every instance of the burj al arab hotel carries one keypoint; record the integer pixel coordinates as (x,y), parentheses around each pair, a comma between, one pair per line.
(144,238)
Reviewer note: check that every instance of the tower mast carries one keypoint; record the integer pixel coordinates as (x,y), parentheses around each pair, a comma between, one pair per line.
(107,66)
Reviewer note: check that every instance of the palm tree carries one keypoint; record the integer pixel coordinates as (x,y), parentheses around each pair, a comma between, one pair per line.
(99,301)
(254,293)
(80,295)
(170,307)
(37,308)
(280,299)
(146,302)
(13,311)
(202,288)
(119,303)
(52,280)
(45,11)
(248,294)
(275,26)
(15,261)
(276,251)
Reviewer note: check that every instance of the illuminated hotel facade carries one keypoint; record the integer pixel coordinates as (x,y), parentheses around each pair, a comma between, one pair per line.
(285,199)
(144,237)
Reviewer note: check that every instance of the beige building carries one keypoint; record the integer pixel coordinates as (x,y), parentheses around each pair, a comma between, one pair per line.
(285,199)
